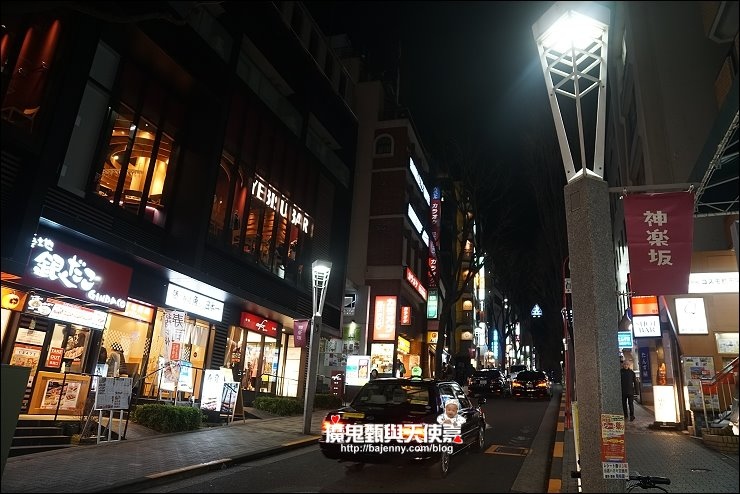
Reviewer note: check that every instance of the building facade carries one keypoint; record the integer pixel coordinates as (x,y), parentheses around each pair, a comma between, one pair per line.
(169,174)
(672,126)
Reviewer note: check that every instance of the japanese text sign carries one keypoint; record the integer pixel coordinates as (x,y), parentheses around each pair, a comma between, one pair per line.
(660,231)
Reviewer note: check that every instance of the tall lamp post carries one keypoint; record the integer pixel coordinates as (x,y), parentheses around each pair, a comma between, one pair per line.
(572,39)
(320,272)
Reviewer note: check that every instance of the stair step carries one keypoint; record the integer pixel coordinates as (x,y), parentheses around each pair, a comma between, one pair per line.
(40,440)
(38,431)
(27,450)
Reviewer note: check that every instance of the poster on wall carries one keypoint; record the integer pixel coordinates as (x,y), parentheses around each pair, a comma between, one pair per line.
(229,395)
(381,357)
(695,370)
(26,356)
(65,395)
(358,371)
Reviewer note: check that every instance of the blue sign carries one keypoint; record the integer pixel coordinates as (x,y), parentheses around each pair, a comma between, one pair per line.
(645,374)
(625,339)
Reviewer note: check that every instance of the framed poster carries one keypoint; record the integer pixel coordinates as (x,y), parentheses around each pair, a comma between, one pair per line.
(727,343)
(52,388)
(26,356)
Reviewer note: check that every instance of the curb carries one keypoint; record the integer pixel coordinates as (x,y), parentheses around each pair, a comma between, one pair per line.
(555,482)
(160,478)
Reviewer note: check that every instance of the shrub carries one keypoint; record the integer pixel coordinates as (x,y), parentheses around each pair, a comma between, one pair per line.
(279,405)
(168,418)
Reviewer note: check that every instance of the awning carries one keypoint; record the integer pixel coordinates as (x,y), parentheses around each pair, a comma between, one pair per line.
(716,170)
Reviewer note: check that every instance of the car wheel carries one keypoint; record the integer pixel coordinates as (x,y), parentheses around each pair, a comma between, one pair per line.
(444,464)
(480,442)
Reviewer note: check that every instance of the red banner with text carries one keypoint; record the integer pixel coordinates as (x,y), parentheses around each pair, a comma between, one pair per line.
(660,235)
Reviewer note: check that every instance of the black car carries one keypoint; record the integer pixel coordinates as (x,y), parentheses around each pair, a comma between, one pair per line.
(399,419)
(488,382)
(534,384)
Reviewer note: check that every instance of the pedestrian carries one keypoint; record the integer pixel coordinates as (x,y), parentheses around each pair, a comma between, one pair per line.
(373,374)
(629,390)
(400,368)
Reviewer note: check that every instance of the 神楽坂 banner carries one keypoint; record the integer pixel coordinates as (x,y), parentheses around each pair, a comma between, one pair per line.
(660,234)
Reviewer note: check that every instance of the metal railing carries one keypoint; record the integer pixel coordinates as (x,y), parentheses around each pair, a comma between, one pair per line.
(725,382)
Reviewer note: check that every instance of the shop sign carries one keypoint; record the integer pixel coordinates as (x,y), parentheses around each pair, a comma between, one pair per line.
(645,306)
(660,230)
(404,345)
(13,299)
(625,339)
(63,311)
(432,336)
(414,218)
(276,201)
(692,318)
(384,323)
(646,375)
(64,269)
(416,284)
(259,324)
(299,332)
(435,211)
(419,180)
(54,358)
(139,311)
(714,282)
(405,315)
(432,304)
(196,303)
(646,326)
(350,302)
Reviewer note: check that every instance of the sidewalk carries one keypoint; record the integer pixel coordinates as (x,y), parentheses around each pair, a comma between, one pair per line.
(691,466)
(120,466)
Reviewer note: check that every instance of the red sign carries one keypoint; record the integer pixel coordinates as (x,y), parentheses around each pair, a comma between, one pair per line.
(660,234)
(384,323)
(299,333)
(54,358)
(259,324)
(79,274)
(405,315)
(645,306)
(414,282)
(175,350)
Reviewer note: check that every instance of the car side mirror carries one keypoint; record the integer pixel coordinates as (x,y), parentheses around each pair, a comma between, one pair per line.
(481,400)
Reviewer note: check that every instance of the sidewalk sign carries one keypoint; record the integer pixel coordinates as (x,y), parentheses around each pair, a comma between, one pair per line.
(113,393)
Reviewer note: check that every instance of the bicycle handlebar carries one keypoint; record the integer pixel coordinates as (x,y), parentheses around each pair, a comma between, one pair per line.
(647,480)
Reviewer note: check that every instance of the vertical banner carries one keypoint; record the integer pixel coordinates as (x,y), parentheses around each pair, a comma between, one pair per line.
(435,218)
(299,332)
(660,234)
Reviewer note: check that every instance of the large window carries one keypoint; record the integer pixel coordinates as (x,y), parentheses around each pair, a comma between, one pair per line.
(135,169)
(27,53)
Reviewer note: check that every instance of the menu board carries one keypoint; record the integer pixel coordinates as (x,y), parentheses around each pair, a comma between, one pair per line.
(61,395)
(213,381)
(26,356)
(113,393)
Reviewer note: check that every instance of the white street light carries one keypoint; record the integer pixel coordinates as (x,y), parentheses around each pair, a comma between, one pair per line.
(320,271)
(572,39)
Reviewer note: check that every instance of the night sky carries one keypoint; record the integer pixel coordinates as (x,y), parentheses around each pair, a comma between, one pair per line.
(468,71)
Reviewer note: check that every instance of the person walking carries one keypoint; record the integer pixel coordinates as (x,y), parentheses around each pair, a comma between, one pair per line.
(629,390)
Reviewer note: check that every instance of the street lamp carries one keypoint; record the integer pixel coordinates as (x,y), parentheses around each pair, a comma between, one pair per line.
(320,271)
(572,39)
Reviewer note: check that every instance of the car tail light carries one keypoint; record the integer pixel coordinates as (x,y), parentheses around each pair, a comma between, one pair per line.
(516,384)
(327,425)
(542,384)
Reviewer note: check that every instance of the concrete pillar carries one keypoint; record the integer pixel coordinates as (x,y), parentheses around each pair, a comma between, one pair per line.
(595,317)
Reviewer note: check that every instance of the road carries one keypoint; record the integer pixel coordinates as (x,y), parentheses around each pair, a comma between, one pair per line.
(512,427)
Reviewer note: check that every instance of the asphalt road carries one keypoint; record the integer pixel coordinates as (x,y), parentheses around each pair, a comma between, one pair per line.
(513,425)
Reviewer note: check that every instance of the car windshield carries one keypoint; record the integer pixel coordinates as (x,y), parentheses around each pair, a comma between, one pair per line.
(517,368)
(531,376)
(487,373)
(392,394)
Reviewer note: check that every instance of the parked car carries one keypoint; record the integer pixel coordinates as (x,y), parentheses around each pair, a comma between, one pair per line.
(418,410)
(513,371)
(488,382)
(531,384)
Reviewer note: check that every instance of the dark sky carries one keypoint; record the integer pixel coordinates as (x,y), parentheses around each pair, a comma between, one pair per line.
(466,67)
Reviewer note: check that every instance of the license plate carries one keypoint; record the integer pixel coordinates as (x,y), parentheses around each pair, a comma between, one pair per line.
(352,415)
(483,381)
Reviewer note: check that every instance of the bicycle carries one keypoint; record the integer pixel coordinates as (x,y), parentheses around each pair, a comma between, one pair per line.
(647,482)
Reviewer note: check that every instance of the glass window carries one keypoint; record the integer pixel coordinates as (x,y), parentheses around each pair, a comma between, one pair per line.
(384,145)
(30,49)
(220,201)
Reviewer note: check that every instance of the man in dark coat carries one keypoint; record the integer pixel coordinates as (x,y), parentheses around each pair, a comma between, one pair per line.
(629,390)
